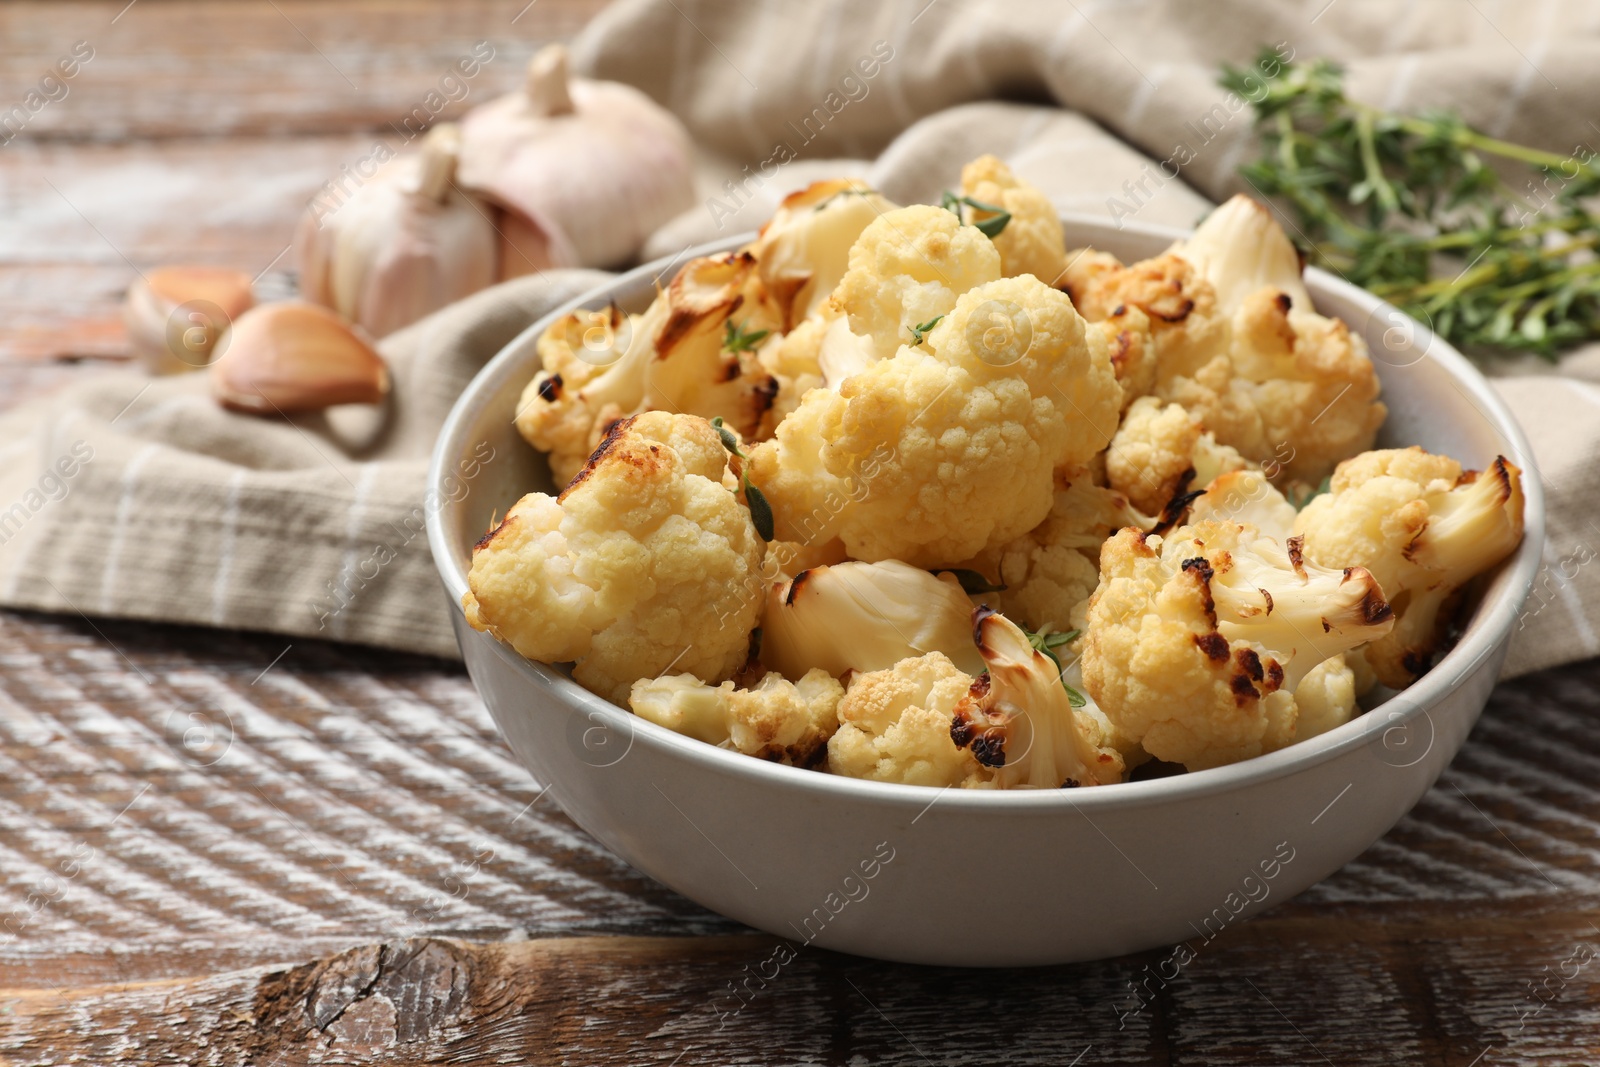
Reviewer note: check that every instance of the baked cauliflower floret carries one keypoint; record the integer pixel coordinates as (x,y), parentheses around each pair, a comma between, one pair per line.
(894,726)
(1424,529)
(1239,249)
(1125,336)
(1049,572)
(1031,242)
(907,268)
(1196,642)
(865,617)
(694,351)
(1187,328)
(1018,719)
(948,447)
(1325,698)
(1160,451)
(777,720)
(593,374)
(646,561)
(1246,496)
(1293,384)
(705,356)
(804,249)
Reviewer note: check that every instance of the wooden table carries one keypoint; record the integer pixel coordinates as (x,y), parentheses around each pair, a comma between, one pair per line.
(336,860)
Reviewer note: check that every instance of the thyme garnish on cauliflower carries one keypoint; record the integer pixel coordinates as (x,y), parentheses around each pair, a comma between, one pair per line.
(915,495)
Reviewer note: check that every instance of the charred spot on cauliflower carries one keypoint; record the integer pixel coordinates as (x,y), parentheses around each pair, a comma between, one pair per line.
(894,726)
(1197,641)
(775,719)
(1424,528)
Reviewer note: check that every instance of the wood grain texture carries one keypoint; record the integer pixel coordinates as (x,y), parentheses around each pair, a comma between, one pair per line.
(185,859)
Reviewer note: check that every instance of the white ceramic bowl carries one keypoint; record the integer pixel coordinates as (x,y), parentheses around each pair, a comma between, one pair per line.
(924,875)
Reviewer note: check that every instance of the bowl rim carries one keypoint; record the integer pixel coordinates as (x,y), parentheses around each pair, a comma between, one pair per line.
(1489,627)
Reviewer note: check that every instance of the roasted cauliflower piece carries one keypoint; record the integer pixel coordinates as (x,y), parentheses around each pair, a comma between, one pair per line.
(1049,572)
(1424,528)
(949,447)
(1031,242)
(1197,641)
(695,351)
(1245,496)
(777,720)
(894,726)
(804,249)
(1125,336)
(1019,721)
(1239,345)
(1296,391)
(593,374)
(1160,451)
(1240,249)
(646,561)
(906,269)
(865,617)
(1325,698)
(1187,329)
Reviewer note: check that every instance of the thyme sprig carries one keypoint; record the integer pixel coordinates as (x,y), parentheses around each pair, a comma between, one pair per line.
(1409,207)
(755,499)
(737,339)
(1047,641)
(990,227)
(919,332)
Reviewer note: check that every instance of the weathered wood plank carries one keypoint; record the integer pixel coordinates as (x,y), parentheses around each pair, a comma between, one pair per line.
(1365,989)
(286,67)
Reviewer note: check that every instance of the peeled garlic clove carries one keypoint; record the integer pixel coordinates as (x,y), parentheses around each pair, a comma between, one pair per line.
(406,243)
(281,358)
(597,163)
(174,315)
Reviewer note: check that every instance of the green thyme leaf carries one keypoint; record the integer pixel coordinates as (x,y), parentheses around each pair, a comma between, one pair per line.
(729,440)
(736,339)
(989,227)
(760,510)
(972,581)
(919,332)
(1045,642)
(996,222)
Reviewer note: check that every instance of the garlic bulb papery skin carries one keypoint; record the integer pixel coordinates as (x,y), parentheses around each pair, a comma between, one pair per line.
(599,162)
(278,359)
(404,244)
(174,315)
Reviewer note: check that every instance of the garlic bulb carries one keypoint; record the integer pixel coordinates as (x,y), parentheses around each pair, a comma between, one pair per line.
(598,164)
(288,357)
(404,244)
(174,315)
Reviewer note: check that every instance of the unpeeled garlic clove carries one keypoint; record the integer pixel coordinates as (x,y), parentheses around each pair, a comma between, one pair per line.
(596,165)
(404,244)
(293,356)
(174,315)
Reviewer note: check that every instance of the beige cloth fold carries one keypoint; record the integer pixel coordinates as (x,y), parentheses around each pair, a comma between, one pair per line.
(182,512)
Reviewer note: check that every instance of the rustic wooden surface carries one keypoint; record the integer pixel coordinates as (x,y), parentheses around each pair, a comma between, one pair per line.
(224,848)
